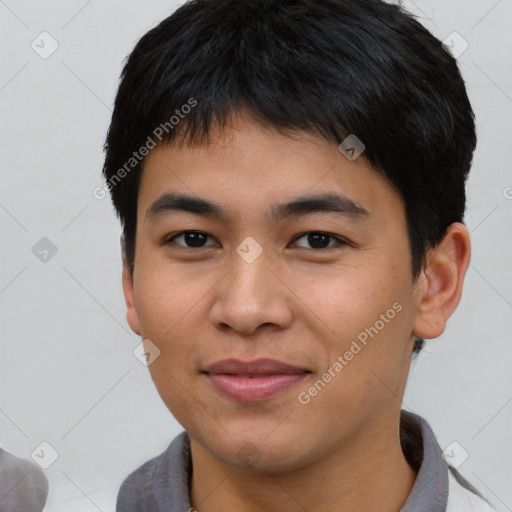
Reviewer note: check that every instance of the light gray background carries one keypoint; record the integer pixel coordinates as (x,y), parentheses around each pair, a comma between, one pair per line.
(68,374)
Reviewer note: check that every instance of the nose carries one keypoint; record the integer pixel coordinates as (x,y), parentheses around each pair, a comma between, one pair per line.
(250,296)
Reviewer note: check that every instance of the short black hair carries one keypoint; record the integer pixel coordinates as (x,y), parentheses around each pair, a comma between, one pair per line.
(328,67)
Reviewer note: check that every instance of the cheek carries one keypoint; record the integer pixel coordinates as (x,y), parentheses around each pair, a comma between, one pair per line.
(171,303)
(366,366)
(361,315)
(169,307)
(165,299)
(345,300)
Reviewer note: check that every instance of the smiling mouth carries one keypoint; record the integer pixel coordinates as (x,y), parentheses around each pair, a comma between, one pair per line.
(253,381)
(257,376)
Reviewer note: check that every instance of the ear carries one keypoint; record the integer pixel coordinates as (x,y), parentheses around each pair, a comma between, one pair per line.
(440,284)
(131,311)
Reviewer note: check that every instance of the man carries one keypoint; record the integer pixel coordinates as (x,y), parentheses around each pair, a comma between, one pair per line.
(290,179)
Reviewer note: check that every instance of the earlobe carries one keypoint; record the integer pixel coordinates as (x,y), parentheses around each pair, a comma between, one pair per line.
(440,291)
(132,315)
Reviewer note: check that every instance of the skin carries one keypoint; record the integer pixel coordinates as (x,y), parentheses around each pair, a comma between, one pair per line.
(293,303)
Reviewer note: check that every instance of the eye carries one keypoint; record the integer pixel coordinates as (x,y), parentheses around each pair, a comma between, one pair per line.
(191,239)
(318,240)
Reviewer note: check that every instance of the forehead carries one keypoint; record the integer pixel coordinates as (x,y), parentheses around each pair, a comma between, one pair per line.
(248,166)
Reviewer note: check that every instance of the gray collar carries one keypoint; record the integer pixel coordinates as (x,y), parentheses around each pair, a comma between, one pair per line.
(430,490)
(163,483)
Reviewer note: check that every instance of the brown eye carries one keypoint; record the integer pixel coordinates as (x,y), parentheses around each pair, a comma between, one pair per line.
(191,239)
(318,240)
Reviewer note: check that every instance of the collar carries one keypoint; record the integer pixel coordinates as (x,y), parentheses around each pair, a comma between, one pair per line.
(422,451)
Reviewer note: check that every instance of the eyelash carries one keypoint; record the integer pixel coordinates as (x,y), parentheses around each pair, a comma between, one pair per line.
(339,240)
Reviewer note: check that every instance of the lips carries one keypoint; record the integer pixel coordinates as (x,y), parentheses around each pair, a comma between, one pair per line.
(256,367)
(252,381)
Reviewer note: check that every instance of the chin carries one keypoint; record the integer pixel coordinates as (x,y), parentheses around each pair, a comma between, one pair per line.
(258,452)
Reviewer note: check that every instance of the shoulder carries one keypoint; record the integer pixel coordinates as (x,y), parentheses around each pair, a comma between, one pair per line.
(12,466)
(136,492)
(141,491)
(22,483)
(462,497)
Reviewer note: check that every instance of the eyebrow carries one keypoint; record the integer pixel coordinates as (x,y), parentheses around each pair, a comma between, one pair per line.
(169,203)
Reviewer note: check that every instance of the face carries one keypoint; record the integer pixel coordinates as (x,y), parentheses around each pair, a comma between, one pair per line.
(240,268)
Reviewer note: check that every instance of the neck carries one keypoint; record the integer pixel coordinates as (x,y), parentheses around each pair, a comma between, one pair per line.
(369,474)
